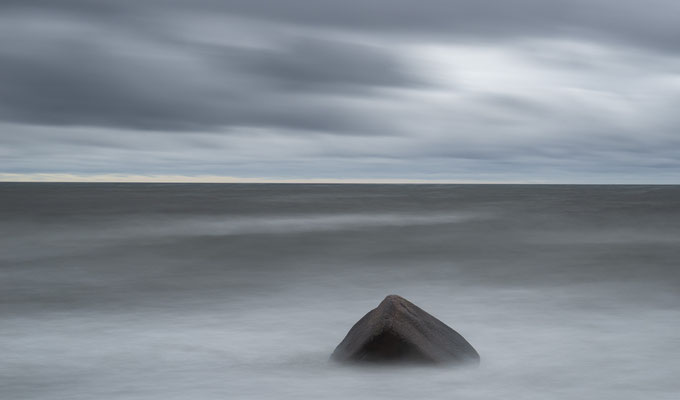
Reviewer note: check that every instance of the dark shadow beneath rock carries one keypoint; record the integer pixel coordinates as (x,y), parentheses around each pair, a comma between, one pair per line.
(398,331)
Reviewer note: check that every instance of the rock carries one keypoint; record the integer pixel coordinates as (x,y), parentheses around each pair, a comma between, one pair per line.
(399,331)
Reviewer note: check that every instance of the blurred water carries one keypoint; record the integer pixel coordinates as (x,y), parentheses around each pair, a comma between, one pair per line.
(134,291)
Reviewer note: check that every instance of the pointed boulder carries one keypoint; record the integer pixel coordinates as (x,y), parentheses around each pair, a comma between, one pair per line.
(399,331)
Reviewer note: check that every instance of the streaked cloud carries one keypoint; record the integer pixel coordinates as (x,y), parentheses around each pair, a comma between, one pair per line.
(515,90)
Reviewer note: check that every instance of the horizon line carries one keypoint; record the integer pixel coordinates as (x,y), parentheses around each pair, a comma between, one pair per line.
(157,178)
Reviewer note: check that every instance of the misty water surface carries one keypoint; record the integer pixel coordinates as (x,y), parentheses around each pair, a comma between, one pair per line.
(135,291)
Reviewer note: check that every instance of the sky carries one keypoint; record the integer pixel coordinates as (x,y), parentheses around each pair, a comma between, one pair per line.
(520,91)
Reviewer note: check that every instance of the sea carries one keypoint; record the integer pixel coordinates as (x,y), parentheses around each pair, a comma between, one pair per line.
(242,291)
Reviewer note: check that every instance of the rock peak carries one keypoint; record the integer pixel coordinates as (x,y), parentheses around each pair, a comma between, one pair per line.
(393,299)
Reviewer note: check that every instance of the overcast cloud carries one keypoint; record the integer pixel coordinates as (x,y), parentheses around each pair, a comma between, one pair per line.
(446,90)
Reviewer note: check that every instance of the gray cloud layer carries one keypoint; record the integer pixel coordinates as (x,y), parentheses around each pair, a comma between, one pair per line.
(490,90)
